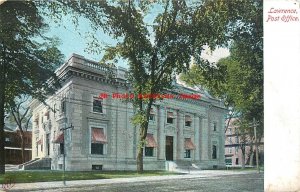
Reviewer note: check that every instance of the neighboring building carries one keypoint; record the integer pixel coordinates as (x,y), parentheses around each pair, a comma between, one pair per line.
(180,130)
(13,151)
(233,152)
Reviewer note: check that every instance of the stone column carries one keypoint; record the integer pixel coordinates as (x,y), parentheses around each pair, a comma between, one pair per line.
(204,140)
(197,138)
(161,134)
(179,128)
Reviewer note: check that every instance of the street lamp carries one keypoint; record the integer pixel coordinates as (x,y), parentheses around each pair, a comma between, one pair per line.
(64,155)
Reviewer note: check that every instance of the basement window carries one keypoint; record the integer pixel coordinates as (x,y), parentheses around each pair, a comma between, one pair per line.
(97,167)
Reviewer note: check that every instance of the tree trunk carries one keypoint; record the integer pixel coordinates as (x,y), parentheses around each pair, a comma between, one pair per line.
(142,137)
(3,73)
(2,136)
(251,158)
(22,146)
(139,158)
(243,158)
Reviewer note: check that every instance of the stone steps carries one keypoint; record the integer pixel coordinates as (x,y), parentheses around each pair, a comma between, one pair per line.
(38,164)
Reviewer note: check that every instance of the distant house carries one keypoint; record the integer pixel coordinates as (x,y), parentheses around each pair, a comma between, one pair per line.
(233,152)
(13,152)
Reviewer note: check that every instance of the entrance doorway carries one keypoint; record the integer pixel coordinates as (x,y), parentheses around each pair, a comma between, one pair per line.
(169,148)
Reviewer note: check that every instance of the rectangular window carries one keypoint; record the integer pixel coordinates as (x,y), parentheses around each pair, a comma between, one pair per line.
(214,152)
(47,115)
(63,106)
(97,148)
(152,117)
(98,139)
(7,139)
(236,150)
(149,151)
(170,117)
(188,121)
(61,148)
(97,105)
(187,153)
(215,126)
(97,167)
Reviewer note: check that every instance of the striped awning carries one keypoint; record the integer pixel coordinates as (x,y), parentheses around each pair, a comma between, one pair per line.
(170,115)
(188,144)
(150,141)
(47,113)
(152,111)
(98,136)
(188,118)
(59,138)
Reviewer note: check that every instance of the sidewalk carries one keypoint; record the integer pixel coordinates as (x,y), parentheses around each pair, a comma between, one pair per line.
(82,183)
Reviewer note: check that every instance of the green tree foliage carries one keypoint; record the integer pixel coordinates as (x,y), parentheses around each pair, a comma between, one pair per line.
(155,50)
(27,67)
(238,79)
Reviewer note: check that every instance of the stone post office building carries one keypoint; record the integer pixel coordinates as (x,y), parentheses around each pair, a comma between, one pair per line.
(180,130)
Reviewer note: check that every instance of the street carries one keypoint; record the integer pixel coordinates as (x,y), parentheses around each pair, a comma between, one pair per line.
(214,182)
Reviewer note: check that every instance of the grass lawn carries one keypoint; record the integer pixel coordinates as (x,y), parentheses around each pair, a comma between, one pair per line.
(42,176)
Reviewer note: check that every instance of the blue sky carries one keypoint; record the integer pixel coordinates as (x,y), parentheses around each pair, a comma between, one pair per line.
(74,40)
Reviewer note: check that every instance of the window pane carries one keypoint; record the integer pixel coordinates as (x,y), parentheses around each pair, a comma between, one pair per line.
(188,123)
(214,154)
(61,147)
(187,153)
(149,151)
(151,117)
(97,148)
(97,105)
(170,120)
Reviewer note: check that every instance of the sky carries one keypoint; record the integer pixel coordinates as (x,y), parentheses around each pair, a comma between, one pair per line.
(74,40)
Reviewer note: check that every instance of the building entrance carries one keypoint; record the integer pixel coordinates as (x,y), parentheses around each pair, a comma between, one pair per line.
(169,148)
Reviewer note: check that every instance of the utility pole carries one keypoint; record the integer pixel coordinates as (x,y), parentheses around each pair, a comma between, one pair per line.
(64,155)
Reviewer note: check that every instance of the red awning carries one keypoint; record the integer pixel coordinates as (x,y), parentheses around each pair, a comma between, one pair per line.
(98,136)
(59,138)
(47,113)
(188,118)
(170,115)
(150,141)
(188,144)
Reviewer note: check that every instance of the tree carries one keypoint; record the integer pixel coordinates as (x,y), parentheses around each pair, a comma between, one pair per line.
(27,67)
(238,79)
(20,112)
(155,51)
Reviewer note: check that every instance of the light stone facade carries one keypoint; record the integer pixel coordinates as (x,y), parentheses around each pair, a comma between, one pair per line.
(82,81)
